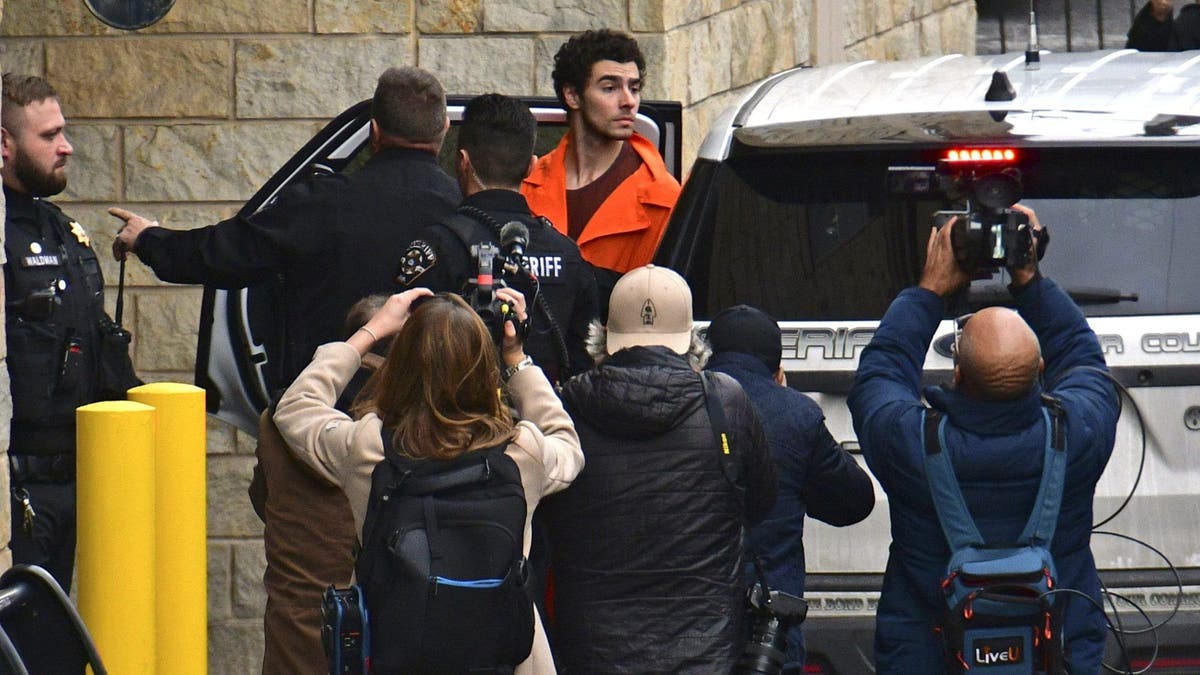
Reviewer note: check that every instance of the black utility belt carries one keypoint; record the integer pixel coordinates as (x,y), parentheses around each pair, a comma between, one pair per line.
(41,468)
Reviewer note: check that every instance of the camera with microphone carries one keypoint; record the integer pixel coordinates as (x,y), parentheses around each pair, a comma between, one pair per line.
(493,310)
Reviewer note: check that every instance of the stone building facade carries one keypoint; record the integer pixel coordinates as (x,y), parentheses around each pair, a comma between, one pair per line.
(182,121)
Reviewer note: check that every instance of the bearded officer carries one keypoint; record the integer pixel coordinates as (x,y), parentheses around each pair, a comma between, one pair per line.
(54,305)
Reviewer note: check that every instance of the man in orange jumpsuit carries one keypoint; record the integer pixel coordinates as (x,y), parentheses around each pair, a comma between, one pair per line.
(604,185)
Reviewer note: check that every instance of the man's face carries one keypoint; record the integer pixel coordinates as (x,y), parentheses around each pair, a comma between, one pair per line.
(1161,9)
(609,102)
(35,154)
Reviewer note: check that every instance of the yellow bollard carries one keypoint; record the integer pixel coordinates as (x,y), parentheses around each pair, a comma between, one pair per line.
(115,484)
(181,554)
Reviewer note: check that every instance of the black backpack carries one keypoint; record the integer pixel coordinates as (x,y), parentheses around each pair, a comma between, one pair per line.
(441,567)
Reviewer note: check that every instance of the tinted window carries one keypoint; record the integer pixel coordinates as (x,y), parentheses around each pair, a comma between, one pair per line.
(822,236)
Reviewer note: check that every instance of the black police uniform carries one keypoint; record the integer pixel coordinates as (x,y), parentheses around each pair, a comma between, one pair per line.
(55,303)
(331,240)
(441,260)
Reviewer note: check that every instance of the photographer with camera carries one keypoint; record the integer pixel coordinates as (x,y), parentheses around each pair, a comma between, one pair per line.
(817,477)
(494,240)
(996,434)
(434,401)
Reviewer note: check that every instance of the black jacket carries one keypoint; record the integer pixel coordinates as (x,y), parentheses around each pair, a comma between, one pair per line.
(816,477)
(647,543)
(441,260)
(54,293)
(1185,31)
(329,240)
(1148,34)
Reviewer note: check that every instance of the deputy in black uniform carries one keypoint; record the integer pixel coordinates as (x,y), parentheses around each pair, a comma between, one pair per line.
(333,239)
(54,295)
(495,153)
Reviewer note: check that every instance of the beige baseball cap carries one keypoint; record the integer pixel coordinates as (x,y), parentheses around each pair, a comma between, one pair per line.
(650,306)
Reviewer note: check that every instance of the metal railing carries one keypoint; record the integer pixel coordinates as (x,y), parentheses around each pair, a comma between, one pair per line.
(1063,25)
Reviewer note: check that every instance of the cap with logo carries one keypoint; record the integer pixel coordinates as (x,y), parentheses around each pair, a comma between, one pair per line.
(650,306)
(747,330)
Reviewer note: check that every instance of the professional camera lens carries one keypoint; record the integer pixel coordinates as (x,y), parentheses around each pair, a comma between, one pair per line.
(997,191)
(764,653)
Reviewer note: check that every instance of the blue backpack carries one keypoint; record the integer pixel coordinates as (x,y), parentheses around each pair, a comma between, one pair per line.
(1002,616)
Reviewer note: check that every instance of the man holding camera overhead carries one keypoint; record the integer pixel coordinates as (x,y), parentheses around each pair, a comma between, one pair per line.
(495,152)
(996,438)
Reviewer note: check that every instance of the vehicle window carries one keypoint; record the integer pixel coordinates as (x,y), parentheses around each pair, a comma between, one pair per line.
(821,236)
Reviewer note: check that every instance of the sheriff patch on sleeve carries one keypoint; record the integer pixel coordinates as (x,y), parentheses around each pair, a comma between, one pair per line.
(418,259)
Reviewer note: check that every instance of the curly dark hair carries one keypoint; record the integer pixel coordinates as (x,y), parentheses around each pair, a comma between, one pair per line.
(573,62)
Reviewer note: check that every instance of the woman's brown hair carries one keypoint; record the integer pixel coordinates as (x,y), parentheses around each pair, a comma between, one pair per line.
(439,386)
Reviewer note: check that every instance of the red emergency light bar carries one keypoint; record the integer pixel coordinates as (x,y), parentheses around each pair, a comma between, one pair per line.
(976,155)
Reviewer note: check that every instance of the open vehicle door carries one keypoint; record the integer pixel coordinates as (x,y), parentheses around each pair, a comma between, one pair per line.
(240,340)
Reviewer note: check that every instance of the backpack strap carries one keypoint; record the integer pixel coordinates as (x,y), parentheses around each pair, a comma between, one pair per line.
(381,484)
(1042,522)
(952,512)
(956,521)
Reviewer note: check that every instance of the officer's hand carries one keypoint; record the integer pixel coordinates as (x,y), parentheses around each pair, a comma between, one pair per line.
(512,350)
(1024,274)
(128,234)
(942,273)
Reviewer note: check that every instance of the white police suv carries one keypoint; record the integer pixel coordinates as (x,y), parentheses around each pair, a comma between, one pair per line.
(813,199)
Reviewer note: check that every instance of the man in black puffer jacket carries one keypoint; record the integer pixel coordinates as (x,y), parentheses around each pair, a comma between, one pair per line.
(647,543)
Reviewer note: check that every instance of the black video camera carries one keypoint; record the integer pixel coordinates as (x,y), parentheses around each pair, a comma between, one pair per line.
(774,613)
(989,234)
(494,311)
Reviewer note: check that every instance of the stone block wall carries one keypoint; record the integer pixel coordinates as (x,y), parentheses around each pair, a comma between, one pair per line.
(183,121)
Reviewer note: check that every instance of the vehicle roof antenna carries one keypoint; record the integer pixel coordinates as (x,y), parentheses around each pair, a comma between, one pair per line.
(1001,88)
(1033,55)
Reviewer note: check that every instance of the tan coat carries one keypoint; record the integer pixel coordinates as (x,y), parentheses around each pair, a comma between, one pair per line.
(346,451)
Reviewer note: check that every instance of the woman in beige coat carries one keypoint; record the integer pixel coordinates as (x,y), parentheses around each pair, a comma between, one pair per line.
(437,390)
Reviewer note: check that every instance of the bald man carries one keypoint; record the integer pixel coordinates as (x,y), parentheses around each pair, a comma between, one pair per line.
(995,436)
